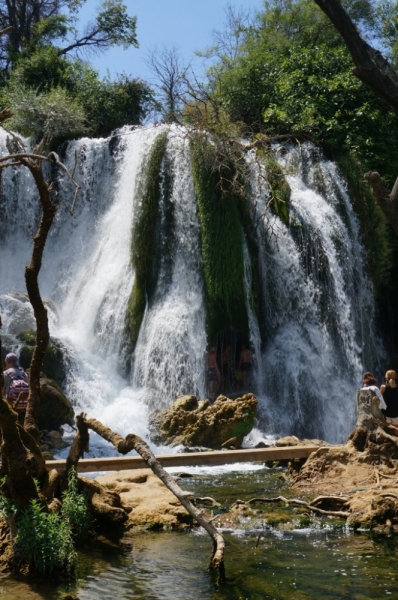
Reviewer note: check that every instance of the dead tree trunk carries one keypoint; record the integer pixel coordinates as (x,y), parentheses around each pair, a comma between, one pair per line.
(130,442)
(31,277)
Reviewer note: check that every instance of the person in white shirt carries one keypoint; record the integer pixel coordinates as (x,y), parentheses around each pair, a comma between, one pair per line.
(370,383)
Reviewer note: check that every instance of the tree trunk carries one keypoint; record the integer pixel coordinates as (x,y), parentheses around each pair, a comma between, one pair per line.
(372,433)
(31,277)
(370,65)
(132,441)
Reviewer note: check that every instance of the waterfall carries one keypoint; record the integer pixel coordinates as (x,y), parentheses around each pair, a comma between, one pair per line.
(314,331)
(172,341)
(318,329)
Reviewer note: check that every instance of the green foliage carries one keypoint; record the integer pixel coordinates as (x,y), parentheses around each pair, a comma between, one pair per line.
(293,73)
(59,98)
(45,540)
(280,190)
(102,105)
(222,238)
(111,104)
(42,24)
(75,509)
(143,249)
(372,221)
(113,20)
(47,29)
(50,114)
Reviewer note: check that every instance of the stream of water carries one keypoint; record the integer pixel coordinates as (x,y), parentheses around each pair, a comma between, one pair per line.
(270,562)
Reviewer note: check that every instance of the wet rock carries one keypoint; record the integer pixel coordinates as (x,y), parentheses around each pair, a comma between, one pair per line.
(55,408)
(55,362)
(9,343)
(191,422)
(47,455)
(146,499)
(289,440)
(55,439)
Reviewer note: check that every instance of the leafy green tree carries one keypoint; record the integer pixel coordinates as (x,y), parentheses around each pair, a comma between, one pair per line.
(293,73)
(42,23)
(100,105)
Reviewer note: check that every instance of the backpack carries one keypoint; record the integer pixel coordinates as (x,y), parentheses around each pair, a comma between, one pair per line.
(18,393)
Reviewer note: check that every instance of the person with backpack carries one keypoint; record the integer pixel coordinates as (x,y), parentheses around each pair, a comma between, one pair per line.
(16,387)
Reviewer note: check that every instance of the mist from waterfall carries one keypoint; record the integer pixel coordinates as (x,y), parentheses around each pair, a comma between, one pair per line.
(314,333)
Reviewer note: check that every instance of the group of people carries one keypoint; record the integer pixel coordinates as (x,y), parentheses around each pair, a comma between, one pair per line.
(387,394)
(225,373)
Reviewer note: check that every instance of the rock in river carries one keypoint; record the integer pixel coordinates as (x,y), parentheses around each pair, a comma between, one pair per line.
(194,422)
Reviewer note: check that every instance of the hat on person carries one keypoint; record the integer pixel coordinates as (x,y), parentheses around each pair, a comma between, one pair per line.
(12,359)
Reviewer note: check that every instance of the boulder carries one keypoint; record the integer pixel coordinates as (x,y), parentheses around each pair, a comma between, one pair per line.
(194,422)
(55,408)
(146,499)
(55,362)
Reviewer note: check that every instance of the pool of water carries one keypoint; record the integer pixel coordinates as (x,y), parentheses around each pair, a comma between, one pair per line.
(322,561)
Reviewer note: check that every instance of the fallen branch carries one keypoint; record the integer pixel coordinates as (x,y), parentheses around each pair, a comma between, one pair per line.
(333,513)
(130,442)
(208,499)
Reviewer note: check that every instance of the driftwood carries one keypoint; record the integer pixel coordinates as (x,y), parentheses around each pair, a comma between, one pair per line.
(130,442)
(309,505)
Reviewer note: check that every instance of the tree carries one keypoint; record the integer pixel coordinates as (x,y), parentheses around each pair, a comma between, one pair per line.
(378,74)
(40,23)
(292,73)
(170,80)
(102,104)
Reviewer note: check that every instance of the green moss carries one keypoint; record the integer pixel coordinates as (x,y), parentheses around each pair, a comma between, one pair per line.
(373,223)
(221,238)
(280,189)
(244,426)
(144,242)
(53,361)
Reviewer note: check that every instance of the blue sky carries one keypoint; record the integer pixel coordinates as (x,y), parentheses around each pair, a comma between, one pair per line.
(187,24)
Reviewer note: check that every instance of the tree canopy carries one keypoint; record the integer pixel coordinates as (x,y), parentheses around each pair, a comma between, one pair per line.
(41,62)
(291,72)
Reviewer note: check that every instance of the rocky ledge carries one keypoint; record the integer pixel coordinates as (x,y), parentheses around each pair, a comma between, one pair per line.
(192,422)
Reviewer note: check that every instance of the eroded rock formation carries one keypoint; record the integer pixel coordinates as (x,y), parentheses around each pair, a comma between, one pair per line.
(360,477)
(146,499)
(192,422)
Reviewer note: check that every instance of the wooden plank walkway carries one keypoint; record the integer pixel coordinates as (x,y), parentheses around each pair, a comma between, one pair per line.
(191,459)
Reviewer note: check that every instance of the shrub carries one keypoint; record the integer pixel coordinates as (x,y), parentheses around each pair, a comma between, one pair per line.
(45,540)
(75,509)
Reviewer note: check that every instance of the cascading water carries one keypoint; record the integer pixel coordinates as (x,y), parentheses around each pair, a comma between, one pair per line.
(311,339)
(317,303)
(169,351)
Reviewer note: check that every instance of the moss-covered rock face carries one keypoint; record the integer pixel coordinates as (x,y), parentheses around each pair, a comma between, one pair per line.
(144,256)
(196,423)
(221,239)
(372,221)
(55,359)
